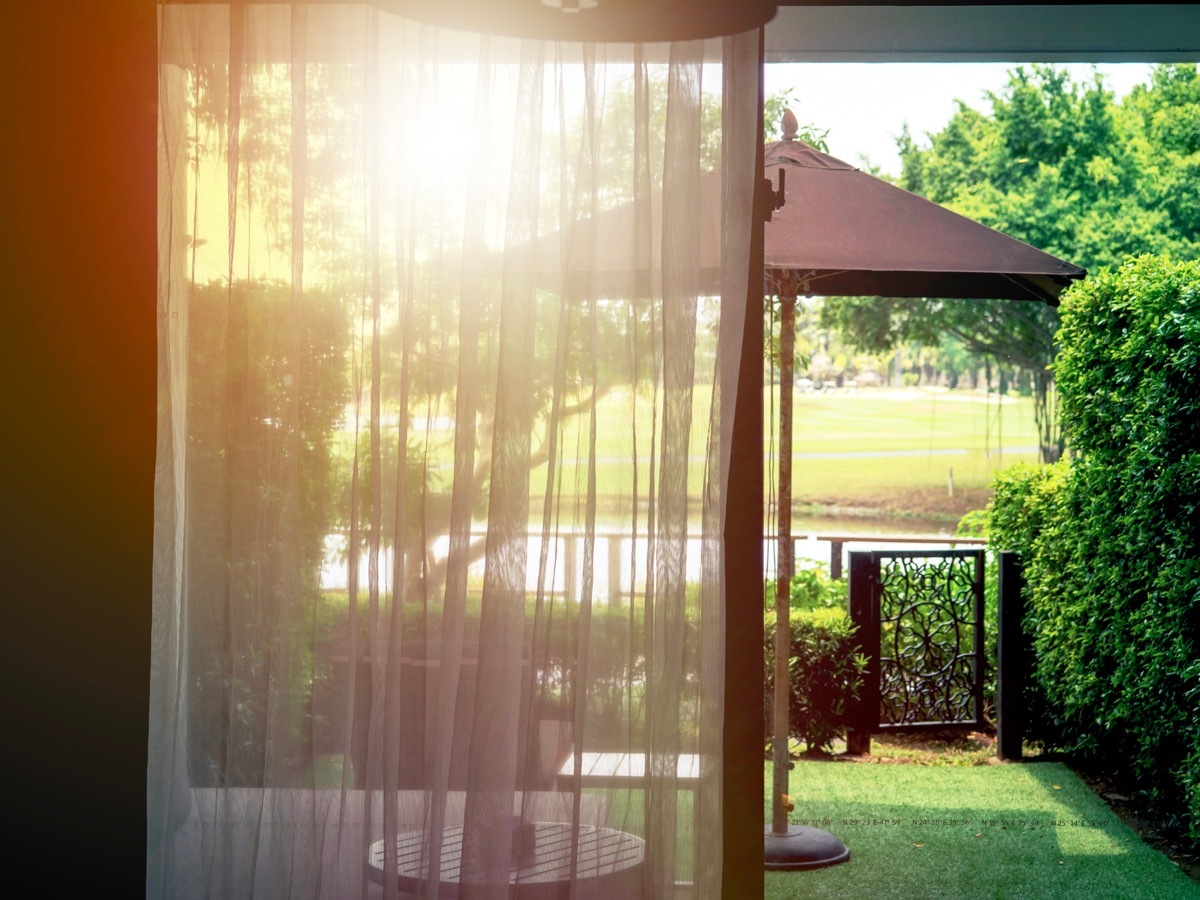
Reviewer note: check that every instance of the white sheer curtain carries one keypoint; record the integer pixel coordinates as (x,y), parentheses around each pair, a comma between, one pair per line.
(449,328)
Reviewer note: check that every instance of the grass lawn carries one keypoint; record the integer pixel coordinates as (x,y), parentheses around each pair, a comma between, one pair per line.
(893,451)
(881,456)
(881,449)
(917,419)
(1031,830)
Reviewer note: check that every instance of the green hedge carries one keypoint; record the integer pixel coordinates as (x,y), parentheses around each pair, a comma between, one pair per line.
(1026,503)
(825,665)
(1111,541)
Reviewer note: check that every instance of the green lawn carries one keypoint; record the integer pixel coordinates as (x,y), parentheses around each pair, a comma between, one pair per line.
(919,419)
(898,451)
(872,448)
(876,448)
(1030,830)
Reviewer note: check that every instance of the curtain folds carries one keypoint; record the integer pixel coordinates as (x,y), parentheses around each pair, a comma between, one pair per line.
(449,336)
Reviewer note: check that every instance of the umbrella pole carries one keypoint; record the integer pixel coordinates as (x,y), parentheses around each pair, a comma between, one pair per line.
(789,846)
(784,562)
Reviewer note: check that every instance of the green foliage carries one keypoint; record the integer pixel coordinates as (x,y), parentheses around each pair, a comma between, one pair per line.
(621,167)
(1112,543)
(1065,167)
(973,524)
(1026,503)
(1128,368)
(267,384)
(825,666)
(826,669)
(1023,502)
(811,588)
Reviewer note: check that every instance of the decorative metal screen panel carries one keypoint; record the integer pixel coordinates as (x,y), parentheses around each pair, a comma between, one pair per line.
(920,618)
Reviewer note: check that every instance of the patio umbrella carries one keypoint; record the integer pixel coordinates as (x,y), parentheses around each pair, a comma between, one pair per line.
(839,232)
(846,233)
(842,232)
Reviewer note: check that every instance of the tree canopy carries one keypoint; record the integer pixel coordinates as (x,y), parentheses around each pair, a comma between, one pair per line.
(1068,168)
(1065,166)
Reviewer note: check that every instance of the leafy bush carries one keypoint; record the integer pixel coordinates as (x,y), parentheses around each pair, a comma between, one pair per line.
(975,524)
(826,666)
(1024,501)
(1025,504)
(812,588)
(972,524)
(1111,545)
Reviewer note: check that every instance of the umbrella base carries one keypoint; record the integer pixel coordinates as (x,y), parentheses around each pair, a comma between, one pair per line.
(803,848)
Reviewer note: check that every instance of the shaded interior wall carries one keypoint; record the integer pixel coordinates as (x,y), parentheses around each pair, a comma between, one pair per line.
(77,244)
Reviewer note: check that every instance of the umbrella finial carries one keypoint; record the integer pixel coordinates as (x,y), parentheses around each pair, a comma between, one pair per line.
(790,125)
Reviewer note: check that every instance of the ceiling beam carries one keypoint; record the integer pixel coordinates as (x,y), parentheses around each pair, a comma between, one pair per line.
(1103,32)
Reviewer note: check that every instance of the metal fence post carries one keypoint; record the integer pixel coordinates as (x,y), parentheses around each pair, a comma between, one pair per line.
(1010,659)
(864,613)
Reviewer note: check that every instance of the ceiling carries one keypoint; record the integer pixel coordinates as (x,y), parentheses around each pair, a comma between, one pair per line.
(943,32)
(857,31)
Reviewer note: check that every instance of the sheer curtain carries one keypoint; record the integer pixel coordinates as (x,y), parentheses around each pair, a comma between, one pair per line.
(449,335)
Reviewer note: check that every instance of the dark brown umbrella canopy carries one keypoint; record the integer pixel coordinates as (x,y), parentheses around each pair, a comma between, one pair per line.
(847,233)
(842,232)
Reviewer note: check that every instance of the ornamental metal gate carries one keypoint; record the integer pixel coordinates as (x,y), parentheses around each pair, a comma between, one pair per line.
(920,623)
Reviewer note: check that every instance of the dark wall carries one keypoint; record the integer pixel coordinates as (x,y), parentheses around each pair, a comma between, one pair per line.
(77,394)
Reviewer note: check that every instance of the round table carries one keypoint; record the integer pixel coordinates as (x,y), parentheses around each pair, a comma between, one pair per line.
(608,863)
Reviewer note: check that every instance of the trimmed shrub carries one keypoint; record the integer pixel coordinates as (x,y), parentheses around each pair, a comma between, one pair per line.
(976,524)
(826,665)
(1027,502)
(1111,544)
(811,588)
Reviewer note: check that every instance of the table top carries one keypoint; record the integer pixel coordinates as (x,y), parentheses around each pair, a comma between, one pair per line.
(600,854)
(616,768)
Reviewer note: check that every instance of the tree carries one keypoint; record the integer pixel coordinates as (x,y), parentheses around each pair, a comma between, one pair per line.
(1067,168)
(266,389)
